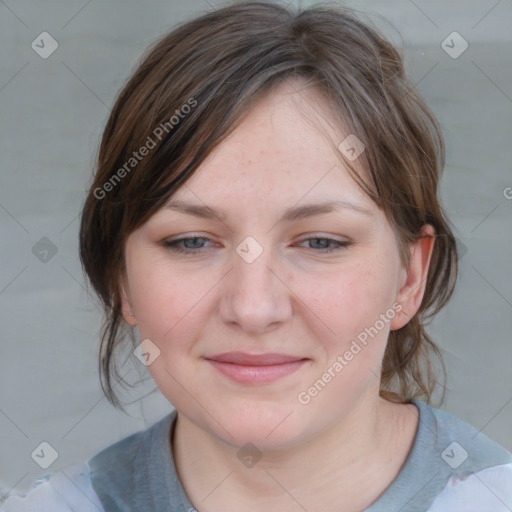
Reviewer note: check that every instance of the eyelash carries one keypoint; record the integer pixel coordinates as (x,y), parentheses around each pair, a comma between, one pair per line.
(173,244)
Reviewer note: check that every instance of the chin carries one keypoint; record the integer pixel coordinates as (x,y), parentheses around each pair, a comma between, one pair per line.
(268,428)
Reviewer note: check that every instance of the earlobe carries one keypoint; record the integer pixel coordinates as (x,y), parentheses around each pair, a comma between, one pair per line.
(413,280)
(128,314)
(126,307)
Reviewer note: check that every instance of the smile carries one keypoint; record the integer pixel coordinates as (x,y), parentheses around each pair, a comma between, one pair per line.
(255,369)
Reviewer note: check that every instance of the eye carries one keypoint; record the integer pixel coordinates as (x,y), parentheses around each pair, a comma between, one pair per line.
(195,244)
(321,244)
(192,244)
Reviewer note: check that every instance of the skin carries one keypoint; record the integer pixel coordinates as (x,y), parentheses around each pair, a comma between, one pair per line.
(346,445)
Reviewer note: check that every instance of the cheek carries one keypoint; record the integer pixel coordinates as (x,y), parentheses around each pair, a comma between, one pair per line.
(351,305)
(347,301)
(169,303)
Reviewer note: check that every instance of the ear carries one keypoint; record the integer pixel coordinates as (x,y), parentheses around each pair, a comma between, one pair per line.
(414,279)
(126,303)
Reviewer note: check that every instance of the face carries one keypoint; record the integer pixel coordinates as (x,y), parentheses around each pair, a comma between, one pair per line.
(262,278)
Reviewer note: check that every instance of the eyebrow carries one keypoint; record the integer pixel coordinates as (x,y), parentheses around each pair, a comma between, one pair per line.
(291,214)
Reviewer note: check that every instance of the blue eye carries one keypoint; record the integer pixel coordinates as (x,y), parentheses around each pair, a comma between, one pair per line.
(195,244)
(173,244)
(326,241)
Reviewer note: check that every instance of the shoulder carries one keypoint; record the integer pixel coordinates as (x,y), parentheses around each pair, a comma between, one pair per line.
(119,461)
(67,490)
(137,472)
(489,489)
(474,473)
(113,479)
(463,448)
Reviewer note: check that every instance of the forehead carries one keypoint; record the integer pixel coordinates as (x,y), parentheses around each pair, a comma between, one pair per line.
(285,151)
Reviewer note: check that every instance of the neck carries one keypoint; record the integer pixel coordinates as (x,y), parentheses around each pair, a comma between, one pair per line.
(370,444)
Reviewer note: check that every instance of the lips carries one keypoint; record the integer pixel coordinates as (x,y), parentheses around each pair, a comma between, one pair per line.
(254,369)
(245,359)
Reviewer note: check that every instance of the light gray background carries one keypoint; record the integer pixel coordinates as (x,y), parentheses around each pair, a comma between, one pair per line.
(53,111)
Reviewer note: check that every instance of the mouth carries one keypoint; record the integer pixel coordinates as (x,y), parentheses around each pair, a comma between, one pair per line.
(255,368)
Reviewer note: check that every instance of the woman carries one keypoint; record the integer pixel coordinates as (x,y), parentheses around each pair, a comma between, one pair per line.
(265,214)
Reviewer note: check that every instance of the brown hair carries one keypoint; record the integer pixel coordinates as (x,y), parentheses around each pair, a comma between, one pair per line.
(194,87)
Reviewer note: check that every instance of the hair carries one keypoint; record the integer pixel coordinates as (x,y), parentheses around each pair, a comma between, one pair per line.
(195,86)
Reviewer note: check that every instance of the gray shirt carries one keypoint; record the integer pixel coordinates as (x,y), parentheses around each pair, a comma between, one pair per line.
(452,467)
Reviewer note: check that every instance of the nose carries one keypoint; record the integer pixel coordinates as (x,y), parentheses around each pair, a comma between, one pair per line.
(254,296)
